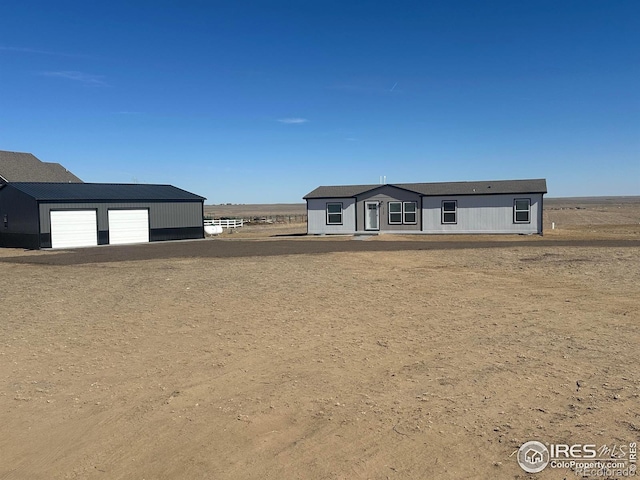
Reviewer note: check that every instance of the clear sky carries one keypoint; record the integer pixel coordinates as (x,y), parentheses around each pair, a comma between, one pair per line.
(262,101)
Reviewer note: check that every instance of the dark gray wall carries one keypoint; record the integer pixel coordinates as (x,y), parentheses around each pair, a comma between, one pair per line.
(161,214)
(384,195)
(22,219)
(167,220)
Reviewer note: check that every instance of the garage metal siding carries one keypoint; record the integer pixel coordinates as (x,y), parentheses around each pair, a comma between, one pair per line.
(176,215)
(161,214)
(22,219)
(168,220)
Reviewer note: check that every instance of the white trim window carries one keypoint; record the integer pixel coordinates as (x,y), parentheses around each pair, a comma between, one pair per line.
(334,213)
(522,210)
(395,213)
(449,211)
(403,213)
(410,213)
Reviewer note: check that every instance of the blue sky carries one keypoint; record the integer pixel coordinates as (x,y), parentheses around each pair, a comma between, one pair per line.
(262,101)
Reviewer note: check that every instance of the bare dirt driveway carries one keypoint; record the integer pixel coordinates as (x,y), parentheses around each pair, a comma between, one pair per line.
(385,358)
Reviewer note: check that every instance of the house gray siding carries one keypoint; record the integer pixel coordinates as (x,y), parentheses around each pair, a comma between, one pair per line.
(384,195)
(482,214)
(21,212)
(486,206)
(167,220)
(317,216)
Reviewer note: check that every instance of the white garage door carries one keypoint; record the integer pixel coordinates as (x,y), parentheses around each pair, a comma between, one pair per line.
(128,226)
(74,228)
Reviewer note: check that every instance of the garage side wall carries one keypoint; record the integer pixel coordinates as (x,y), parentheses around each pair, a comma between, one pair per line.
(482,214)
(167,220)
(21,213)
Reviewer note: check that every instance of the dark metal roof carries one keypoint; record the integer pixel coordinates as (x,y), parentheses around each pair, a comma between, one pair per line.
(25,167)
(96,192)
(439,189)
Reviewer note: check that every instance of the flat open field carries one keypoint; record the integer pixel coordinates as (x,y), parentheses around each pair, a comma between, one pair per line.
(255,210)
(572,211)
(252,356)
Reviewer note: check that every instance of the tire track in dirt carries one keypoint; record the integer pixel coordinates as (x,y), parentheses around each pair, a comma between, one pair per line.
(264,248)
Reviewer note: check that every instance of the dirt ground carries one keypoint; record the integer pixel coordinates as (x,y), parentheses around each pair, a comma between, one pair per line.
(372,362)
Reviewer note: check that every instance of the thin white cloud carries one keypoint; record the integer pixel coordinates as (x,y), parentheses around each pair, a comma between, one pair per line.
(39,52)
(293,121)
(85,78)
(370,90)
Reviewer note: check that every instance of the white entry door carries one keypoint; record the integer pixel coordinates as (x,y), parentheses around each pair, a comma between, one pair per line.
(128,226)
(73,228)
(371,216)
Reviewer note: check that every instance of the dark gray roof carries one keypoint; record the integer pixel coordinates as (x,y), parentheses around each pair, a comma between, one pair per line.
(96,192)
(339,191)
(438,189)
(24,167)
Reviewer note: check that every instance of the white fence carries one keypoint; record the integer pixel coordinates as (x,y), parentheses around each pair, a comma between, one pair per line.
(235,223)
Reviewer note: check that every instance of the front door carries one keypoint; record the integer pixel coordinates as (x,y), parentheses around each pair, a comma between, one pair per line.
(371,216)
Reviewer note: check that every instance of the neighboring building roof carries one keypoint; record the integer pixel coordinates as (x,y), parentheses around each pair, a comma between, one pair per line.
(24,167)
(438,189)
(99,192)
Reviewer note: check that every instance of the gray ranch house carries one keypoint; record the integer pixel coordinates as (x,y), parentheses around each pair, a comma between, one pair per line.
(501,206)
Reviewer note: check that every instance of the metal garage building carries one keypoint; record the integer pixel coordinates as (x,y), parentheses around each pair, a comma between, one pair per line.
(68,215)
